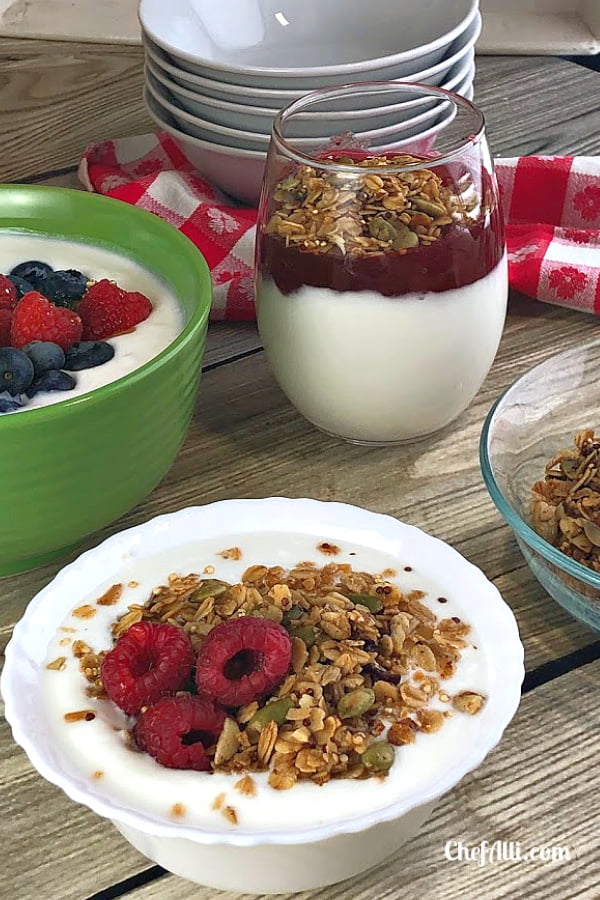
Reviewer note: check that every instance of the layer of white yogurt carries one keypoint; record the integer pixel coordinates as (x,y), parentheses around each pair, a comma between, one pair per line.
(372,368)
(132,350)
(134,780)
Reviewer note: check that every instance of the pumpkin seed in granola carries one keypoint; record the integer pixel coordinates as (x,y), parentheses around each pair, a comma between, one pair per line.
(272,712)
(355,703)
(382,230)
(306,633)
(291,615)
(592,532)
(429,208)
(212,587)
(405,238)
(378,758)
(372,603)
(569,467)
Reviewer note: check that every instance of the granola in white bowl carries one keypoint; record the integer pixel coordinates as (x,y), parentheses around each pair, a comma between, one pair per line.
(204,824)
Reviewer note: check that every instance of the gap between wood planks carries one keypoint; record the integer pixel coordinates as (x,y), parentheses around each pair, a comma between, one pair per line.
(535,678)
(43,176)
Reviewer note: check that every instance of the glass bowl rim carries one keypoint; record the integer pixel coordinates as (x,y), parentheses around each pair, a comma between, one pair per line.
(475,136)
(520,527)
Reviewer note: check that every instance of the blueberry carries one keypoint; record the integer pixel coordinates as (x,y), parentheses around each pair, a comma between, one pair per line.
(64,287)
(52,380)
(87,355)
(16,370)
(32,271)
(44,355)
(22,286)
(8,403)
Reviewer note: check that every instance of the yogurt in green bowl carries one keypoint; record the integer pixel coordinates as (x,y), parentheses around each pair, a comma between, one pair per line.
(75,461)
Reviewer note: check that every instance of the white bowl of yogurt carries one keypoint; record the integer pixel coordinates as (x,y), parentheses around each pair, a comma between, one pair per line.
(281,840)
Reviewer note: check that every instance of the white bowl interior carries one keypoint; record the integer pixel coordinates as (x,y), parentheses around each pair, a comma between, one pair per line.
(295,521)
(285,35)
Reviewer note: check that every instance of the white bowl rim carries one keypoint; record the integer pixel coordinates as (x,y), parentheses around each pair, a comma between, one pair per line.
(219,149)
(466,68)
(260,137)
(292,94)
(315,71)
(304,516)
(241,152)
(402,142)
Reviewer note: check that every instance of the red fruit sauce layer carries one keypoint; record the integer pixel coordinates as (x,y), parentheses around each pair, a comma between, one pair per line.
(461,256)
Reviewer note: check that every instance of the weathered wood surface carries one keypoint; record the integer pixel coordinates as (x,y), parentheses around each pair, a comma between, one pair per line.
(58,97)
(101,22)
(247,441)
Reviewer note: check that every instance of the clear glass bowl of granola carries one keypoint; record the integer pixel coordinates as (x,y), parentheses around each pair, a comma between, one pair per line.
(404,669)
(381,279)
(539,459)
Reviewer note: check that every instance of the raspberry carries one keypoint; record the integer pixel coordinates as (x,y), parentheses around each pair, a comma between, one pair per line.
(242,659)
(177,730)
(36,319)
(106,310)
(149,660)
(5,320)
(103,290)
(8,293)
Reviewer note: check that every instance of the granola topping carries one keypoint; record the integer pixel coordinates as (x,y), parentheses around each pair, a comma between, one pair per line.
(58,664)
(358,707)
(84,612)
(322,211)
(366,658)
(111,596)
(351,232)
(565,506)
(80,715)
(230,814)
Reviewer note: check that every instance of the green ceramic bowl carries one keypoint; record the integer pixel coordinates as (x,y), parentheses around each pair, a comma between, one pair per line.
(70,468)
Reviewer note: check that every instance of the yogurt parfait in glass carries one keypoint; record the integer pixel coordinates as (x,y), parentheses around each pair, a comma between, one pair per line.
(381,271)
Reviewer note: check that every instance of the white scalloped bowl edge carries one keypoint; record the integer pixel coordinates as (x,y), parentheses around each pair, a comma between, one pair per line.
(278,861)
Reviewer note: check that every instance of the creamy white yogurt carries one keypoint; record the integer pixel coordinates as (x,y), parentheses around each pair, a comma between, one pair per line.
(134,780)
(381,369)
(132,350)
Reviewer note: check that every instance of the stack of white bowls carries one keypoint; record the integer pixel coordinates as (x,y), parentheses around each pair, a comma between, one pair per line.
(217,71)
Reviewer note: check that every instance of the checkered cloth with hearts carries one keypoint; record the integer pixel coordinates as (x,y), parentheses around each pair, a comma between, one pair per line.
(551,204)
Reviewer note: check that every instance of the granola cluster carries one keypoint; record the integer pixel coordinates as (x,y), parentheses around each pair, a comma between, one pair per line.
(565,506)
(320,211)
(367,661)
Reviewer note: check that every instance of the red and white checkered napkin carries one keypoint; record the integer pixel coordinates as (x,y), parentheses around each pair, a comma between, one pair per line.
(551,203)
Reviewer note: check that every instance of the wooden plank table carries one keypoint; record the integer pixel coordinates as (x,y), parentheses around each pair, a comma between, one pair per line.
(539,786)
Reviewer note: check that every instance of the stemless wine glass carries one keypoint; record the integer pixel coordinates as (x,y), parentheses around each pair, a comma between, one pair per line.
(381,273)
